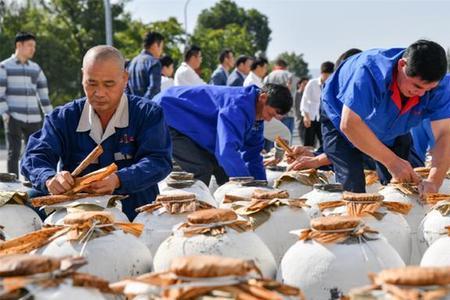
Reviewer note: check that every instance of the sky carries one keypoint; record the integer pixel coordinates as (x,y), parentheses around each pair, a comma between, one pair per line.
(322,30)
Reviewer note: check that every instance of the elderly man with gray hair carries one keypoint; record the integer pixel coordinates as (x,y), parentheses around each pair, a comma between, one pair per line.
(131,130)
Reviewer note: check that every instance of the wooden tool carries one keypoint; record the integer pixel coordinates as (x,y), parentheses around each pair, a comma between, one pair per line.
(88,160)
(283,145)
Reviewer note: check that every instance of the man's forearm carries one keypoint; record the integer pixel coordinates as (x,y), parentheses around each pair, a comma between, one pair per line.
(363,138)
(440,162)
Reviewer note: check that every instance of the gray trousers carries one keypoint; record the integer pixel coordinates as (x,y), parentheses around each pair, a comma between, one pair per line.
(15,131)
(194,159)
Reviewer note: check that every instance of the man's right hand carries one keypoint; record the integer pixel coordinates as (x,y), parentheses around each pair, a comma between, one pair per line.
(402,171)
(306,121)
(305,162)
(297,152)
(61,183)
(5,118)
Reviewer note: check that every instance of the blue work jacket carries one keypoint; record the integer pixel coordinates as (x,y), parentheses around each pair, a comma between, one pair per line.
(144,78)
(364,83)
(141,151)
(221,120)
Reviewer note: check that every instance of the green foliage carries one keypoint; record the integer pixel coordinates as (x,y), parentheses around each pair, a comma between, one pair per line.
(130,40)
(226,12)
(65,30)
(448,59)
(296,63)
(212,41)
(174,37)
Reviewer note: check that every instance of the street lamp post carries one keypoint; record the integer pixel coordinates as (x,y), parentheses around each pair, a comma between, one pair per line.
(108,23)
(185,22)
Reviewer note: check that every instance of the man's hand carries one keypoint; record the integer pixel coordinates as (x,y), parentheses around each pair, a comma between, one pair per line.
(273,161)
(306,121)
(5,118)
(427,186)
(305,162)
(61,183)
(298,151)
(402,171)
(105,186)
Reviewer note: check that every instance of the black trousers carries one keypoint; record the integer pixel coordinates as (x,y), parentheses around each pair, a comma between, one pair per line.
(348,161)
(311,134)
(15,131)
(194,159)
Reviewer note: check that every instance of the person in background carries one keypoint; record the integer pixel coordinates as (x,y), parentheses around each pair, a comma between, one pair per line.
(297,101)
(258,70)
(131,130)
(144,70)
(281,75)
(345,55)
(186,73)
(218,130)
(220,75)
(23,94)
(310,105)
(166,72)
(274,127)
(237,77)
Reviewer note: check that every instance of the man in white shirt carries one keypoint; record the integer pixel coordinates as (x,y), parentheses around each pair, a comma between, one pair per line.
(258,70)
(274,127)
(310,105)
(185,74)
(166,72)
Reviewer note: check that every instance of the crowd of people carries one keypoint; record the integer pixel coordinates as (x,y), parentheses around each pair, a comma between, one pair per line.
(358,113)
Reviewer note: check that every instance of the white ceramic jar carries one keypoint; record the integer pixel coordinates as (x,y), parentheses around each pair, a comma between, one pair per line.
(433,225)
(215,232)
(160,217)
(112,254)
(298,183)
(16,218)
(335,255)
(273,220)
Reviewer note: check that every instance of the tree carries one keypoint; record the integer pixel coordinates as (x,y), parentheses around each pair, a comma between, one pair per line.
(448,59)
(212,42)
(130,40)
(65,30)
(296,63)
(226,12)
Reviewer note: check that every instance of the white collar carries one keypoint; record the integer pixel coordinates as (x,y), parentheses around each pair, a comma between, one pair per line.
(89,121)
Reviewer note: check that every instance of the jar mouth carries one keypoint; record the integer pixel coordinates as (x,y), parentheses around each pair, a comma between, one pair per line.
(179,184)
(335,223)
(362,197)
(329,187)
(277,168)
(241,179)
(210,216)
(257,183)
(181,176)
(414,276)
(8,177)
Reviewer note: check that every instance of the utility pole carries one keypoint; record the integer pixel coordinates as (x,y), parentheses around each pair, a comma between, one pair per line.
(108,23)
(185,23)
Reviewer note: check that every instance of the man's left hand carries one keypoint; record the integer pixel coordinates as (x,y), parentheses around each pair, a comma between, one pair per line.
(105,186)
(426,186)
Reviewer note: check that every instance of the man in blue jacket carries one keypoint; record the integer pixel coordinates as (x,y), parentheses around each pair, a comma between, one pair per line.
(130,129)
(145,69)
(371,103)
(218,130)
